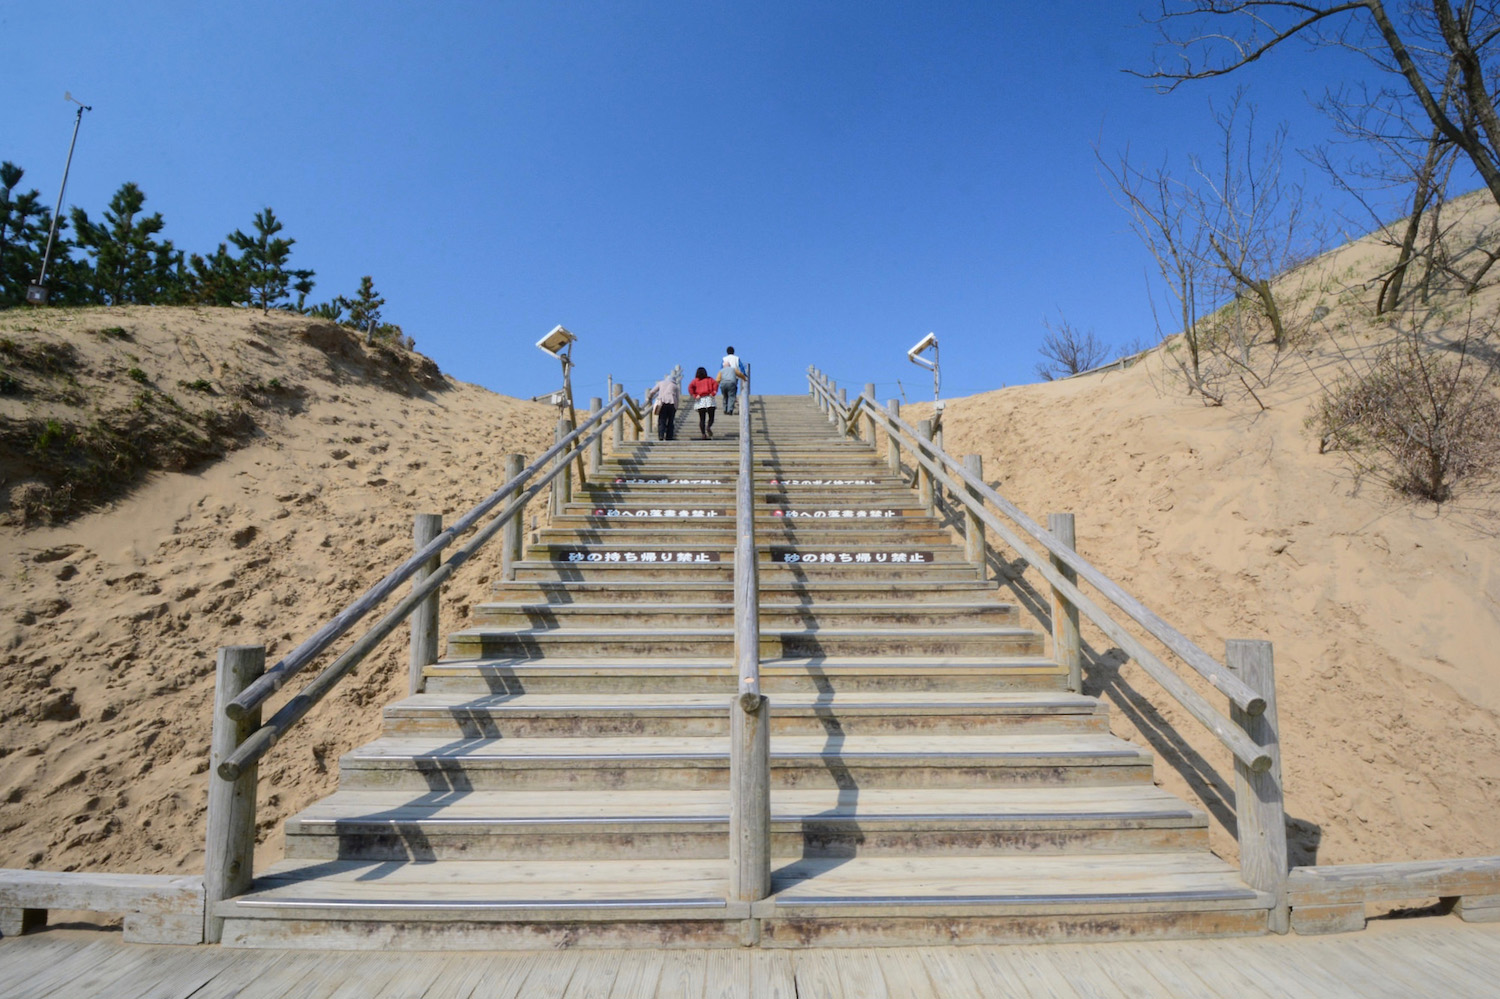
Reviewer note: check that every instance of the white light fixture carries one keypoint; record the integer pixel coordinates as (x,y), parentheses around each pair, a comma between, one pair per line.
(922,346)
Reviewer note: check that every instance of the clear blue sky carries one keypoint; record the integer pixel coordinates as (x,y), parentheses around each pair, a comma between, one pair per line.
(812,182)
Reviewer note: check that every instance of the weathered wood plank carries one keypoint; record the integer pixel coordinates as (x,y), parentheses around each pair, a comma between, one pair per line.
(550,975)
(818,975)
(1315,919)
(949,975)
(859,971)
(904,973)
(727,975)
(1344,883)
(594,976)
(772,975)
(639,973)
(682,975)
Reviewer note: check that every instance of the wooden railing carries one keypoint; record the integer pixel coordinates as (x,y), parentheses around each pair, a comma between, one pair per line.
(240,739)
(1246,678)
(750,713)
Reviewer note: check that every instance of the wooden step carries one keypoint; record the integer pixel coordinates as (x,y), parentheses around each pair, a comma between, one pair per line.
(860,901)
(813,592)
(416,763)
(605,642)
(459,715)
(719,615)
(773,573)
(892,673)
(806,822)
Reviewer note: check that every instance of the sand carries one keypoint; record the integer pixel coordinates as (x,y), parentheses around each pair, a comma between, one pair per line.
(109,624)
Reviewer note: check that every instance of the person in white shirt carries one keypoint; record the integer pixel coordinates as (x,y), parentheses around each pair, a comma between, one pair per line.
(730,370)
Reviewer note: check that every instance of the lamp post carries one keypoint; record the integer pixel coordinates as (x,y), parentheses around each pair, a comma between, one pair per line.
(559,343)
(922,346)
(36,294)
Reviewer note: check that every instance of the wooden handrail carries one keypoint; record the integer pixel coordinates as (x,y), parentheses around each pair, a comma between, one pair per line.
(746,572)
(276,677)
(1239,694)
(961,483)
(263,738)
(750,713)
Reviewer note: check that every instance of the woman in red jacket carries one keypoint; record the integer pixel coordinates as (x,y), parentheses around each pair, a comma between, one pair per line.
(705,392)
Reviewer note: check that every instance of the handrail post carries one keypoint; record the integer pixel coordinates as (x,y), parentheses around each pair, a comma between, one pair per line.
(596,449)
(892,442)
(975,549)
(749,712)
(229,855)
(1260,813)
(1067,647)
(562,486)
(424,619)
(843,402)
(924,474)
(869,432)
(511,536)
(617,431)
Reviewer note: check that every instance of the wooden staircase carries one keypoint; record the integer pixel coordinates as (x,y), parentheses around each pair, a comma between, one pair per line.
(563,779)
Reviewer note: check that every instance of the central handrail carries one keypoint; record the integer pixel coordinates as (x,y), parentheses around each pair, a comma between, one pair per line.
(749,723)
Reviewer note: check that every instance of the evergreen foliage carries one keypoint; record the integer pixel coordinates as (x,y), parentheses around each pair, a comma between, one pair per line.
(131,266)
(24,221)
(124,260)
(265,256)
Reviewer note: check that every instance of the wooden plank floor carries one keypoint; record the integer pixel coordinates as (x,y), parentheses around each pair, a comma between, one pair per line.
(1434,956)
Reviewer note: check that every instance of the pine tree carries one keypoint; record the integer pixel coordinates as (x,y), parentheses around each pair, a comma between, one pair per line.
(24,222)
(218,279)
(364,308)
(129,263)
(265,257)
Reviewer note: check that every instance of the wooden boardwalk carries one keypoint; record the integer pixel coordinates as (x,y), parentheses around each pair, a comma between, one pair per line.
(1434,956)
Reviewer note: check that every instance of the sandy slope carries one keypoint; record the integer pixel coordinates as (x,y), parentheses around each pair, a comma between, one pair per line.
(108,624)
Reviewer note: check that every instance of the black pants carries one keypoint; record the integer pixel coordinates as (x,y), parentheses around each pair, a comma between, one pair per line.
(706,421)
(666,422)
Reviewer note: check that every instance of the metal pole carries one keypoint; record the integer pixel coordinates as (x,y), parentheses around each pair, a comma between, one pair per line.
(52,232)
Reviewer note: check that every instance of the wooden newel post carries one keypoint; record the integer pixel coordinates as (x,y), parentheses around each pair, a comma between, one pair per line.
(596,449)
(750,799)
(562,485)
(892,442)
(1260,813)
(511,534)
(869,394)
(617,431)
(1067,644)
(424,617)
(974,546)
(843,401)
(924,476)
(229,859)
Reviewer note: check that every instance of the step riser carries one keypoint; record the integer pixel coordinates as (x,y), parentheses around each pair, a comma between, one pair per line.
(711,841)
(561,616)
(581,774)
(507,682)
(723,572)
(554,726)
(648,645)
(811,594)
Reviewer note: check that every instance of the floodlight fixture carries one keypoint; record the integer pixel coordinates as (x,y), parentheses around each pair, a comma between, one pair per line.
(36,294)
(558,343)
(922,346)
